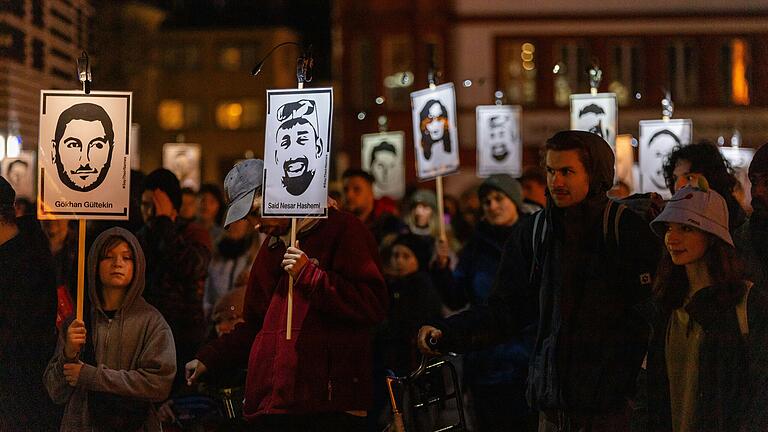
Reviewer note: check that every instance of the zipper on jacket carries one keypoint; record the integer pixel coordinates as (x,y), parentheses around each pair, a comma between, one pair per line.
(330,390)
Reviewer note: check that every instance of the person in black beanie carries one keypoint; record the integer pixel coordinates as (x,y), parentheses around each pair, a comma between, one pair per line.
(752,238)
(178,253)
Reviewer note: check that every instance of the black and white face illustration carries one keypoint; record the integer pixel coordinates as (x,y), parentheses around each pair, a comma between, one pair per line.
(659,146)
(18,171)
(500,136)
(299,146)
(182,165)
(592,118)
(384,162)
(82,146)
(434,125)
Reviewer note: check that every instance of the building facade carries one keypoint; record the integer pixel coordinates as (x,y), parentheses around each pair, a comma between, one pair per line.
(40,41)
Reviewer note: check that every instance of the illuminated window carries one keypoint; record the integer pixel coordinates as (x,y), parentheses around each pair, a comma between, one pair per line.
(734,66)
(170,114)
(173,114)
(518,71)
(231,58)
(239,114)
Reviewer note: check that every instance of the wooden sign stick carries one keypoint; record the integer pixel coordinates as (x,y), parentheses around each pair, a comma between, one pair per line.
(80,269)
(289,319)
(440,217)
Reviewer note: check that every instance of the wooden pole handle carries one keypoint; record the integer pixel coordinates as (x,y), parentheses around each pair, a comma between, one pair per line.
(440,212)
(80,269)
(289,318)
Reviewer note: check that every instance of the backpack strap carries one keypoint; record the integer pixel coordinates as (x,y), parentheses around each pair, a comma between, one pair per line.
(537,238)
(612,212)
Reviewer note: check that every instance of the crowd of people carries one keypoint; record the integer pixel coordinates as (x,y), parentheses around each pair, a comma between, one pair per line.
(574,305)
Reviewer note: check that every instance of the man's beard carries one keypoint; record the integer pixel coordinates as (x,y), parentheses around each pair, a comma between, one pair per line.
(298,185)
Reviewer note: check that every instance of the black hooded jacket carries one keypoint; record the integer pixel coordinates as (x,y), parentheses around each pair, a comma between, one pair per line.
(591,337)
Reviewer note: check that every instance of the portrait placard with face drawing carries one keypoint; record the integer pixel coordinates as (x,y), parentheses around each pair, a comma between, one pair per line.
(83,155)
(657,139)
(297,147)
(499,147)
(20,172)
(184,161)
(383,156)
(597,114)
(435,137)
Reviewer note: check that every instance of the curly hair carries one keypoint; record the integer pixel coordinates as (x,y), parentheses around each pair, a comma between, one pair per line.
(705,158)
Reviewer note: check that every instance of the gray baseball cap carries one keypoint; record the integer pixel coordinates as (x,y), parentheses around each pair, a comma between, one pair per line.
(702,209)
(242,184)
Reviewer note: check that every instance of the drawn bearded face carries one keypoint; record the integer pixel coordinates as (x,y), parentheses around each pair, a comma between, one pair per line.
(83,155)
(298,149)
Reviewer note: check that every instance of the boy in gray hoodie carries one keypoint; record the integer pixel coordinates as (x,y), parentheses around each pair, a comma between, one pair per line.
(109,371)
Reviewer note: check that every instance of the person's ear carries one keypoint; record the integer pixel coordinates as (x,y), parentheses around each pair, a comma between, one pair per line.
(54,152)
(318,148)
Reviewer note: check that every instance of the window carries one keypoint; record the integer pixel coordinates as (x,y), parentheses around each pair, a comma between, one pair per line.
(625,72)
(187,57)
(239,114)
(735,63)
(570,71)
(37,13)
(397,69)
(12,43)
(38,54)
(173,114)
(682,70)
(231,58)
(362,86)
(518,71)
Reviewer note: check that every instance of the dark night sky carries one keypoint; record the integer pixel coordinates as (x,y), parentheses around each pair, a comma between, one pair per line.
(310,18)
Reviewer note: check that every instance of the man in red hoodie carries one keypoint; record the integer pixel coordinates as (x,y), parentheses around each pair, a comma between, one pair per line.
(320,379)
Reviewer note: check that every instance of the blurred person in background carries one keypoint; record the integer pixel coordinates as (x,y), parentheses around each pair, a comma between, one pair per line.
(496,376)
(685,164)
(212,208)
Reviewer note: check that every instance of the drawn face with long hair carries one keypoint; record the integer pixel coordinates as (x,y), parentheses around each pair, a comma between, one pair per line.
(434,127)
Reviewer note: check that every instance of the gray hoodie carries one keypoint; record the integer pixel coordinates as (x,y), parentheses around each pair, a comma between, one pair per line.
(134,352)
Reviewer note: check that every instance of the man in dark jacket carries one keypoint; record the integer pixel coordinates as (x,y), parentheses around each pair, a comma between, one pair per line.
(321,378)
(752,237)
(583,267)
(27,320)
(178,252)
